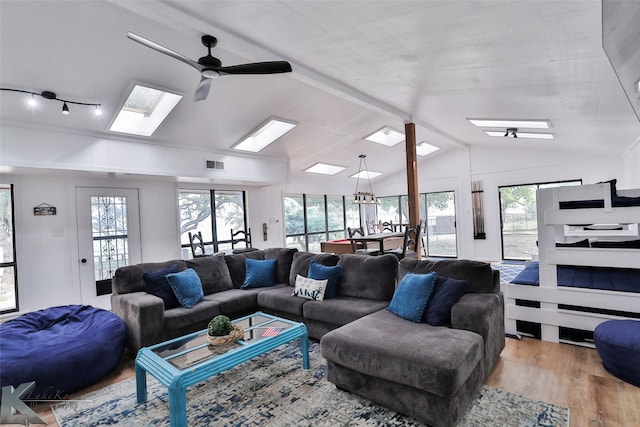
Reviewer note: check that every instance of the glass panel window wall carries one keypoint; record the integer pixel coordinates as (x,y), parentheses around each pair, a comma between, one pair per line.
(312,219)
(8,273)
(195,217)
(439,234)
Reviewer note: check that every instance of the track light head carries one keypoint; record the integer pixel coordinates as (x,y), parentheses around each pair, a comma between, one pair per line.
(511,132)
(65,109)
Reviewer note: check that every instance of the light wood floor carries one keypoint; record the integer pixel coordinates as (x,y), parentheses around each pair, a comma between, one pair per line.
(563,374)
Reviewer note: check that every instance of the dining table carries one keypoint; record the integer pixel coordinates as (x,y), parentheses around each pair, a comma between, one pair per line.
(381,239)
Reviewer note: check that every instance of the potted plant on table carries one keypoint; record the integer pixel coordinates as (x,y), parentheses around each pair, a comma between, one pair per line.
(222,331)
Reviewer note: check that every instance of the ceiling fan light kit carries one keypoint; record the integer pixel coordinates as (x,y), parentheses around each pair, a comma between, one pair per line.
(47,94)
(211,67)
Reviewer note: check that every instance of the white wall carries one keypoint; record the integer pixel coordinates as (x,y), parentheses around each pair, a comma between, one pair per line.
(631,167)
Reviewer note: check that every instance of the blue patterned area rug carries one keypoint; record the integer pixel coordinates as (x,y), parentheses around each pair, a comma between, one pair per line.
(274,390)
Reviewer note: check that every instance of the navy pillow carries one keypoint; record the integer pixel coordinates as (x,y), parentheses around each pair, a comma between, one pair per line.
(260,273)
(446,293)
(331,273)
(411,297)
(156,284)
(187,287)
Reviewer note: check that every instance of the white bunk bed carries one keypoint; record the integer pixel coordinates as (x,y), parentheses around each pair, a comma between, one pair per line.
(568,225)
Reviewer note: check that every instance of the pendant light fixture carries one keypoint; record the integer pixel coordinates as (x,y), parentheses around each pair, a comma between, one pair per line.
(364,197)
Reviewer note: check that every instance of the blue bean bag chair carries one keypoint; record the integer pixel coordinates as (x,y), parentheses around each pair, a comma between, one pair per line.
(618,344)
(63,349)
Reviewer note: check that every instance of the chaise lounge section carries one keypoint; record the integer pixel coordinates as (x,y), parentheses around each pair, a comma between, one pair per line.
(428,372)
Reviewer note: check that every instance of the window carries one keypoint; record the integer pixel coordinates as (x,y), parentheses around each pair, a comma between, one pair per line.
(518,219)
(8,273)
(439,211)
(311,219)
(195,216)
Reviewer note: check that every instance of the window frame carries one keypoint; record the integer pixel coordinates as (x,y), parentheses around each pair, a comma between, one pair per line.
(306,234)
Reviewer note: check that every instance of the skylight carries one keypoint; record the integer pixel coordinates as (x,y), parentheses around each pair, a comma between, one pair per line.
(366,174)
(533,135)
(264,135)
(386,136)
(144,110)
(494,123)
(325,169)
(424,149)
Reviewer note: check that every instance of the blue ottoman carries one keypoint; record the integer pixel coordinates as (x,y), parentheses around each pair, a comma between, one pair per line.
(618,344)
(63,349)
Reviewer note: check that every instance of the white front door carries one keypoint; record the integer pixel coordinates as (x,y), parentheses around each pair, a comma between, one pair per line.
(108,237)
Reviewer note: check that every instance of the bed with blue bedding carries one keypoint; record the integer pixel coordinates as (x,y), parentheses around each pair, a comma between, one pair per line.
(603,278)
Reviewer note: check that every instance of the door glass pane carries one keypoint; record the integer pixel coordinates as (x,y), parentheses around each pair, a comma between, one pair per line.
(110,235)
(353,214)
(441,224)
(229,213)
(313,241)
(389,209)
(315,214)
(335,213)
(294,214)
(298,242)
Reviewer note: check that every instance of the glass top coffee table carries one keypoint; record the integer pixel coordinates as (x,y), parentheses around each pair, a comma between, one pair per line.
(182,362)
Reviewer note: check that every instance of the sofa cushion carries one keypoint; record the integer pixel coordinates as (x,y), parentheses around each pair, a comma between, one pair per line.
(479,276)
(302,260)
(156,284)
(434,359)
(331,273)
(235,300)
(310,288)
(411,296)
(181,318)
(341,310)
(213,273)
(446,293)
(372,277)
(187,287)
(284,256)
(280,300)
(260,273)
(237,267)
(129,279)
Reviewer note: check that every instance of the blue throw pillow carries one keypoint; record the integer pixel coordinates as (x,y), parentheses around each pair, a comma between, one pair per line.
(156,284)
(187,287)
(260,273)
(446,293)
(411,297)
(331,273)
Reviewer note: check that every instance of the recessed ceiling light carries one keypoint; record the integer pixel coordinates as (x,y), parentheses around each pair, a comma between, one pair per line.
(364,174)
(386,136)
(264,135)
(497,123)
(521,134)
(425,148)
(144,110)
(325,169)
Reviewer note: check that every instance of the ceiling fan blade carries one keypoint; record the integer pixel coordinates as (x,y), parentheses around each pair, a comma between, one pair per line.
(202,91)
(271,67)
(159,48)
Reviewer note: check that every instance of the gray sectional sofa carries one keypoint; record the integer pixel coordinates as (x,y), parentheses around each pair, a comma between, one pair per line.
(428,372)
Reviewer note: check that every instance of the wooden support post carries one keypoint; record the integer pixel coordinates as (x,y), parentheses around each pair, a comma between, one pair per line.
(412,179)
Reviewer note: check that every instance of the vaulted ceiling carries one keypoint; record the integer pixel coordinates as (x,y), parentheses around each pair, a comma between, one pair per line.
(357,66)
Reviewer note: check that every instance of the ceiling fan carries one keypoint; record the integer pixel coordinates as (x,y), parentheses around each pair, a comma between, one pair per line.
(211,67)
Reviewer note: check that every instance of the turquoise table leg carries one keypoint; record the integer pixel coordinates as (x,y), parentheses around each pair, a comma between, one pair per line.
(177,406)
(141,384)
(305,351)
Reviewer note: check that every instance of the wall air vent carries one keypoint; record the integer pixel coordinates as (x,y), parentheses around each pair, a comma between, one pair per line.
(213,164)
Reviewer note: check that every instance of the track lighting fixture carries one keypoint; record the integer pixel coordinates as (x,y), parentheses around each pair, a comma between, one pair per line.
(52,96)
(511,132)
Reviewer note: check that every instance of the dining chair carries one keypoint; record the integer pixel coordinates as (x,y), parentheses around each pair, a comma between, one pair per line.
(359,247)
(197,245)
(241,236)
(410,243)
(388,226)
